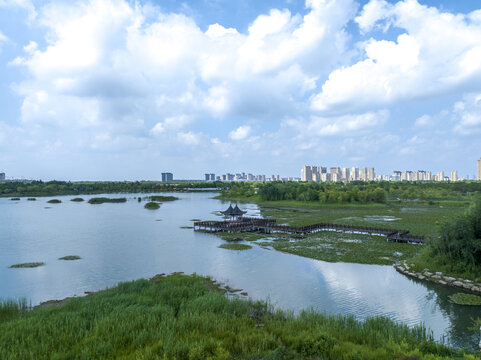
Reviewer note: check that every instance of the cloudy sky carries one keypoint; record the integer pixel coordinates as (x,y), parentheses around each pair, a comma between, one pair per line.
(115,89)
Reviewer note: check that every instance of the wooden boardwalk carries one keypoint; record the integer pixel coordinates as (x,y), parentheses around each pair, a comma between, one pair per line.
(268,226)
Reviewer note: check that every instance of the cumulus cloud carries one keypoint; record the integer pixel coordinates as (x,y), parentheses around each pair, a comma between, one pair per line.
(467,114)
(240,133)
(438,52)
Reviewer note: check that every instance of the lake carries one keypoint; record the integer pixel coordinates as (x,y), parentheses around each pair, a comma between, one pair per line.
(124,241)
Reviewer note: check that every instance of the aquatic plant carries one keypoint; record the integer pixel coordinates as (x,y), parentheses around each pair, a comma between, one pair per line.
(54,201)
(465,299)
(31,199)
(15,198)
(70,257)
(162,198)
(27,265)
(152,205)
(77,199)
(235,246)
(189,317)
(101,200)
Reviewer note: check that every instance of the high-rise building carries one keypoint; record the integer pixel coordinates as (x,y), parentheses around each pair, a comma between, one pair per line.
(440,176)
(207,177)
(2,176)
(306,173)
(363,174)
(345,174)
(454,176)
(370,174)
(355,173)
(167,177)
(479,170)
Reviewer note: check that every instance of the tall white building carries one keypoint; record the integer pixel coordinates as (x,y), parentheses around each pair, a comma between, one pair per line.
(370,174)
(355,173)
(363,174)
(454,176)
(479,170)
(345,174)
(440,176)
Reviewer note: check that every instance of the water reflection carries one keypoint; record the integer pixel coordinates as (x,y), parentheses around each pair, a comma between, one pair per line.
(120,242)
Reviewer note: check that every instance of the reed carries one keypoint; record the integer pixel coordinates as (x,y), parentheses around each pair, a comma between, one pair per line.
(189,317)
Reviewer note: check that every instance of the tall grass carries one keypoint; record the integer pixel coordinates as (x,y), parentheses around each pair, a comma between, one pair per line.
(188,317)
(11,309)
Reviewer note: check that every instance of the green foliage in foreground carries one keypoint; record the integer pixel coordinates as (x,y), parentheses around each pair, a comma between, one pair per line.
(152,205)
(457,249)
(54,201)
(162,198)
(101,200)
(465,299)
(70,257)
(235,246)
(11,309)
(186,317)
(27,265)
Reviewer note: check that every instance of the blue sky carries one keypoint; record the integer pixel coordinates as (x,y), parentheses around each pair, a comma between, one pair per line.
(123,90)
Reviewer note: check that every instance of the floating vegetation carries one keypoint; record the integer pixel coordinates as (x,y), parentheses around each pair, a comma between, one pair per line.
(235,246)
(16,198)
(77,199)
(27,265)
(152,205)
(186,227)
(162,198)
(32,199)
(70,257)
(101,200)
(158,220)
(465,299)
(195,220)
(47,207)
(54,201)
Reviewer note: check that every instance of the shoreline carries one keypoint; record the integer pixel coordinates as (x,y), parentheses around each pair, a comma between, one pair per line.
(439,278)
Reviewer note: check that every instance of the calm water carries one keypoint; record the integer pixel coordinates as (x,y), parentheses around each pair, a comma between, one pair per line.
(119,242)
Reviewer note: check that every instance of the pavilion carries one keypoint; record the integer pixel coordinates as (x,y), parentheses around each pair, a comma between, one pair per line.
(233,212)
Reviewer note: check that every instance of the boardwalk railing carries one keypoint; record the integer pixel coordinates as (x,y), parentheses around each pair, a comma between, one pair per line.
(269,226)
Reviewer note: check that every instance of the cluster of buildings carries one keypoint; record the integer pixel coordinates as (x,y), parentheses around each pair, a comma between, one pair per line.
(321,173)
(246,177)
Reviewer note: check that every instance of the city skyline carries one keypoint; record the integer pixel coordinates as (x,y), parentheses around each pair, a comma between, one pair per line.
(113,90)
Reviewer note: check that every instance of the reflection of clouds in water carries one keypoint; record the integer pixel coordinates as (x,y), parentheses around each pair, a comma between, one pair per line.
(378,288)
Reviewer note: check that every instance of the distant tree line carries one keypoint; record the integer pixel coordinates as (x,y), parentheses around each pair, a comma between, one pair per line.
(354,192)
(40,188)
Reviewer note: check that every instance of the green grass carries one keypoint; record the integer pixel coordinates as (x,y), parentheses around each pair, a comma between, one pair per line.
(102,200)
(152,205)
(27,265)
(162,198)
(70,257)
(77,199)
(426,259)
(189,317)
(343,247)
(465,299)
(11,309)
(235,246)
(419,220)
(54,201)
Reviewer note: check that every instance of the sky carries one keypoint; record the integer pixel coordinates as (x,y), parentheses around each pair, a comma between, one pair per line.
(125,90)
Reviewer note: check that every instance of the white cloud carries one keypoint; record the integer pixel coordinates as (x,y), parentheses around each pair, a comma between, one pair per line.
(27,5)
(467,114)
(347,125)
(438,53)
(240,133)
(108,65)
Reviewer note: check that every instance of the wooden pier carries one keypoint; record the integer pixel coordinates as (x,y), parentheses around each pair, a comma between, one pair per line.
(269,226)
